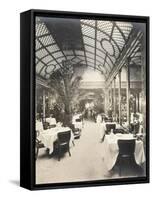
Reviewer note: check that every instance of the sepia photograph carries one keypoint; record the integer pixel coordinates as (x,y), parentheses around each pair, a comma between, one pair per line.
(90,99)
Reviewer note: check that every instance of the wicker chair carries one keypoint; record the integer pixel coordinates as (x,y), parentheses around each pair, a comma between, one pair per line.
(63,142)
(126,157)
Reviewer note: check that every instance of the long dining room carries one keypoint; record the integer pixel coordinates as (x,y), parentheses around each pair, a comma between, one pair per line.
(90,100)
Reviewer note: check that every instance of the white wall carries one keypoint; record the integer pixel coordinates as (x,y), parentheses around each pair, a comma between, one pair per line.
(9,100)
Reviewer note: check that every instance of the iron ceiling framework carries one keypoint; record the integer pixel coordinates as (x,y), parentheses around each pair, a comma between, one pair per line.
(104,42)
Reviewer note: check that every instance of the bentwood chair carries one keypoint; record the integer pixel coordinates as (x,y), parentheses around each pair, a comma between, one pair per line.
(109,127)
(76,131)
(118,130)
(126,159)
(63,142)
(38,145)
(135,128)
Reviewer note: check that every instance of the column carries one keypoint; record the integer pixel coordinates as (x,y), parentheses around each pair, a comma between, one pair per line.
(128,91)
(44,104)
(143,79)
(106,99)
(119,97)
(138,99)
(114,105)
(112,96)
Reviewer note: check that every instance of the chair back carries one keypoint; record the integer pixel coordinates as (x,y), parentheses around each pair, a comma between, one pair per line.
(52,126)
(64,137)
(118,130)
(126,147)
(78,120)
(108,119)
(109,127)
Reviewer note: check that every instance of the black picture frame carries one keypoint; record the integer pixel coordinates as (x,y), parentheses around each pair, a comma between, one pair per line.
(27,99)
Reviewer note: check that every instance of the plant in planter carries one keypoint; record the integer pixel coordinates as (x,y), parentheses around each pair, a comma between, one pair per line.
(65,83)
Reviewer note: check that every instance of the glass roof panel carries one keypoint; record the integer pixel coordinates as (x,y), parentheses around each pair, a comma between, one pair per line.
(90,59)
(53,48)
(41,29)
(90,54)
(68,52)
(79,53)
(86,30)
(57,54)
(47,59)
(90,22)
(100,53)
(41,53)
(37,44)
(101,35)
(39,66)
(77,59)
(125,28)
(105,26)
(89,41)
(70,57)
(118,38)
(99,59)
(89,48)
(102,41)
(53,62)
(60,59)
(46,40)
(49,68)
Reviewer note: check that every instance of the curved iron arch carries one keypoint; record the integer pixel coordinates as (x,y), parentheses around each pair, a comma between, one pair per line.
(98,29)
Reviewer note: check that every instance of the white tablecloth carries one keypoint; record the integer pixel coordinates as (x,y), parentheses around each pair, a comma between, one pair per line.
(51,121)
(111,149)
(75,123)
(48,137)
(102,127)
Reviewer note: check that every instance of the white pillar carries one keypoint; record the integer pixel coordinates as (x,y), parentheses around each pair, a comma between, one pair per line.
(44,104)
(119,97)
(128,92)
(114,97)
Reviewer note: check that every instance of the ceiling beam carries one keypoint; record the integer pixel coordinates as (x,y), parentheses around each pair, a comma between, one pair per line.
(45,65)
(48,45)
(95,43)
(128,49)
(98,29)
(106,55)
(125,40)
(50,54)
(83,45)
(97,48)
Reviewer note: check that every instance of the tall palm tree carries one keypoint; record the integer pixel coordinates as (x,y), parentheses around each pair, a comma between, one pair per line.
(66,84)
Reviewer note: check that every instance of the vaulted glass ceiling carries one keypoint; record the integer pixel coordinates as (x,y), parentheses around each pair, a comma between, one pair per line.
(99,44)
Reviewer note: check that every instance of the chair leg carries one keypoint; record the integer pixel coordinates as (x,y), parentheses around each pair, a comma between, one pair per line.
(37,151)
(73,143)
(120,171)
(59,153)
(69,151)
(119,167)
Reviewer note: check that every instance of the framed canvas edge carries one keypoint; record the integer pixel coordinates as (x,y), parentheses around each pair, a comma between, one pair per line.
(31,101)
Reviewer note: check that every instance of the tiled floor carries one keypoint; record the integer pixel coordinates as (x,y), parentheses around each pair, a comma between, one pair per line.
(85,163)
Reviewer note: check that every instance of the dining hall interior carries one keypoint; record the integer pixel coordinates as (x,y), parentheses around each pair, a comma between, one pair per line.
(90,99)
